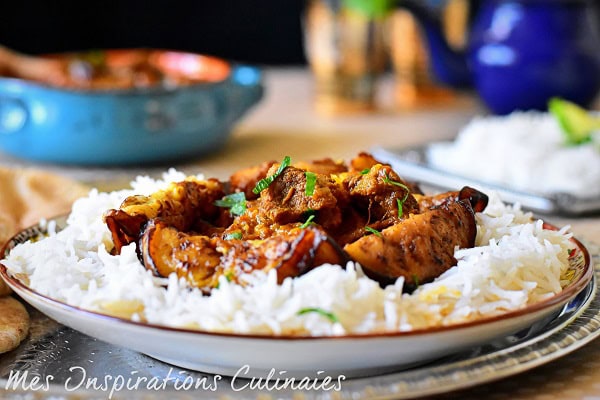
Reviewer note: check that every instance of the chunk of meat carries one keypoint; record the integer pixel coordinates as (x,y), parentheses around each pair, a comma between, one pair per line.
(181,204)
(202,260)
(381,195)
(326,166)
(363,161)
(419,248)
(246,179)
(285,200)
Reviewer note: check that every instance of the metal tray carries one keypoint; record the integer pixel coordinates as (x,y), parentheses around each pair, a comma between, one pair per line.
(411,163)
(57,351)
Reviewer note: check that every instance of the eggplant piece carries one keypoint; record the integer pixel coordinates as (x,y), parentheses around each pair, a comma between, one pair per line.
(291,253)
(165,250)
(419,248)
(181,205)
(477,199)
(202,260)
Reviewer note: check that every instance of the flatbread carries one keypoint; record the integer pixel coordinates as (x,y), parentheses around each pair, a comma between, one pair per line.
(14,323)
(28,195)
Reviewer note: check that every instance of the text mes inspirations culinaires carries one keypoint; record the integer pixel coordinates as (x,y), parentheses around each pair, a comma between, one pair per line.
(80,380)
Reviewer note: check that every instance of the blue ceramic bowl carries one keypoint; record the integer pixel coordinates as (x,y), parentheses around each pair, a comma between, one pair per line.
(126,126)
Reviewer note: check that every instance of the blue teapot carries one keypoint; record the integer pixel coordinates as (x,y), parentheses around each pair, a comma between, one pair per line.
(520,53)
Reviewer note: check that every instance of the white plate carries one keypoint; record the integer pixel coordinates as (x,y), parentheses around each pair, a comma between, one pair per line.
(287,356)
(414,165)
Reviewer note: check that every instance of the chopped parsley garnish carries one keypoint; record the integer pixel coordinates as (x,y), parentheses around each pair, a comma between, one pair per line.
(308,221)
(416,280)
(329,315)
(233,235)
(311,181)
(265,182)
(373,231)
(401,204)
(388,180)
(365,171)
(236,202)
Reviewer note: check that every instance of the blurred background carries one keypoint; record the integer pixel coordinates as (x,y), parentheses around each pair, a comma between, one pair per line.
(256,31)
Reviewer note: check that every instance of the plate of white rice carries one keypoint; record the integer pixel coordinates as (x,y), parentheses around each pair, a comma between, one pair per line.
(520,272)
(522,156)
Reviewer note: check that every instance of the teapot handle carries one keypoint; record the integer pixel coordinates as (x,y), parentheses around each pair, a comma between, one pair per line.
(449,66)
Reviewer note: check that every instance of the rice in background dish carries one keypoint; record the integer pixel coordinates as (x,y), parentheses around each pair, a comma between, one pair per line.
(516,262)
(524,151)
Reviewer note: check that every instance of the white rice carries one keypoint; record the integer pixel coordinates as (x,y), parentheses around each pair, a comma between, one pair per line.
(516,262)
(524,151)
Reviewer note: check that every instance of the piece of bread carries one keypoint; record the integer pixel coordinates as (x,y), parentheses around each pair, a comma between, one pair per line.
(14,323)
(29,195)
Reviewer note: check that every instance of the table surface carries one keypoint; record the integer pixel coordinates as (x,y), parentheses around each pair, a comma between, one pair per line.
(285,123)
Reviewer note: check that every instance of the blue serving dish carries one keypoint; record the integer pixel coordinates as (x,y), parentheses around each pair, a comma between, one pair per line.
(127,126)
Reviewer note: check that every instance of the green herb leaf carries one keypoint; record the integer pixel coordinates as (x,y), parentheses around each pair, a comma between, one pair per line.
(400,203)
(329,315)
(265,182)
(236,202)
(373,231)
(416,280)
(233,235)
(311,182)
(365,171)
(308,221)
(389,181)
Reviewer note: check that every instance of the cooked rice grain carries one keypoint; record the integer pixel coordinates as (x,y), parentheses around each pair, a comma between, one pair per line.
(516,263)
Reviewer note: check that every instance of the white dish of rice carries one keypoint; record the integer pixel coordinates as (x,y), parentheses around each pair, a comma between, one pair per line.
(518,273)
(523,156)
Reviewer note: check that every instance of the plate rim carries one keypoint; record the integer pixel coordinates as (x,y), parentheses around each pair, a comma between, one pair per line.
(564,296)
(508,353)
(388,386)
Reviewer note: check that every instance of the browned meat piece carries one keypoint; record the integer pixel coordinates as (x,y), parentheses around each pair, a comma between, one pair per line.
(418,248)
(254,224)
(245,180)
(477,199)
(378,194)
(180,205)
(285,200)
(326,166)
(181,230)
(202,260)
(363,161)
(352,227)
